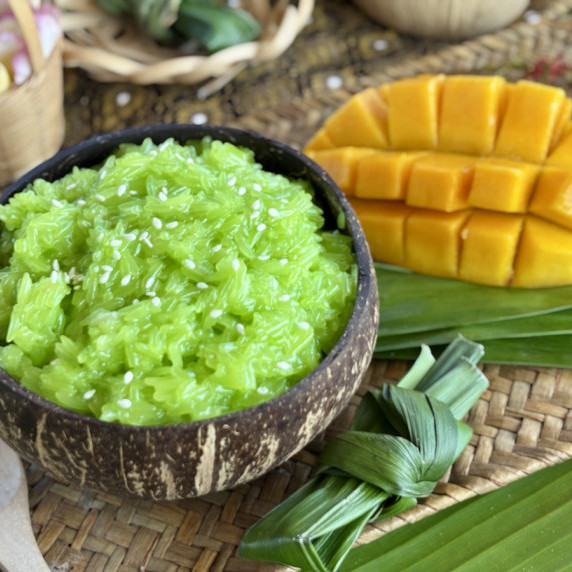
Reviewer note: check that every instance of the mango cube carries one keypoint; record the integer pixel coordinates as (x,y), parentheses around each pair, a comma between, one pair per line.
(384,175)
(341,164)
(552,198)
(383,223)
(502,185)
(361,122)
(470,113)
(413,105)
(320,141)
(561,155)
(440,181)
(489,243)
(432,244)
(532,113)
(544,256)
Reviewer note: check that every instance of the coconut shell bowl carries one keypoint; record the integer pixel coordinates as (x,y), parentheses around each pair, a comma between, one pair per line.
(190,459)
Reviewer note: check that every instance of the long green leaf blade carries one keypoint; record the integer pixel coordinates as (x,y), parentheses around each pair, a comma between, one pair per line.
(545,351)
(413,302)
(524,522)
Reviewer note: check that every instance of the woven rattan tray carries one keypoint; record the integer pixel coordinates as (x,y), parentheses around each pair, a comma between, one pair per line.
(521,424)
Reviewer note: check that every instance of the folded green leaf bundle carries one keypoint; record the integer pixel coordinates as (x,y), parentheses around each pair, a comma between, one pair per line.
(402,441)
(524,525)
(515,326)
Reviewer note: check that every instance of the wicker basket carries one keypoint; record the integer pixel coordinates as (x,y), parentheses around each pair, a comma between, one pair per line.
(32,123)
(113,49)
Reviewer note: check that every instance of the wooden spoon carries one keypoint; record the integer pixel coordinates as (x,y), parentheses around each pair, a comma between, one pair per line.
(18,549)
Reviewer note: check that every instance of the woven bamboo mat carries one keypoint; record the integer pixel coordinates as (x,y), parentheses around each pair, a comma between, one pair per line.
(521,424)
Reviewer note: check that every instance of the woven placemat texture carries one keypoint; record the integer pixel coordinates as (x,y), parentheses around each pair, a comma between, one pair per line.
(521,424)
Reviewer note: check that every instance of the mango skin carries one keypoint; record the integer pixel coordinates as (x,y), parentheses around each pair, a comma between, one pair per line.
(483,195)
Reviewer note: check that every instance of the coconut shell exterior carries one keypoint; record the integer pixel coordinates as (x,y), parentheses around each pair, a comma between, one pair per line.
(193,459)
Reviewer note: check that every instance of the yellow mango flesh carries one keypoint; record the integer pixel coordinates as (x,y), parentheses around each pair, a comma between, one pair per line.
(470,114)
(383,223)
(361,122)
(414,105)
(502,185)
(341,164)
(432,242)
(384,175)
(473,184)
(544,255)
(489,244)
(553,196)
(440,181)
(531,115)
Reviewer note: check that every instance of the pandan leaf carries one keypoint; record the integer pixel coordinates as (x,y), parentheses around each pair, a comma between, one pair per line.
(524,525)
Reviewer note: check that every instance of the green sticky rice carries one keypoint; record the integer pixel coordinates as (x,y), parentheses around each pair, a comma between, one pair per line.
(170,283)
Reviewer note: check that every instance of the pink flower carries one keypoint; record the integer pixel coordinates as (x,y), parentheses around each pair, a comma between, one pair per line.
(13,50)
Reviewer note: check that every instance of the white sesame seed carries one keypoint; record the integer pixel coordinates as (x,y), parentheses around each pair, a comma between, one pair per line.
(54,276)
(263,390)
(115,242)
(202,285)
(143,235)
(157,223)
(104,278)
(57,203)
(273,212)
(256,204)
(215,313)
(241,191)
(124,403)
(256,187)
(231,182)
(303,325)
(89,394)
(116,255)
(71,186)
(235,264)
(163,196)
(150,293)
(102,174)
(149,283)
(156,301)
(255,214)
(261,227)
(128,377)
(133,192)
(190,160)
(126,279)
(264,257)
(99,197)
(283,261)
(148,243)
(80,203)
(217,247)
(55,264)
(284,298)
(190,264)
(107,268)
(121,190)
(240,328)
(172,224)
(135,301)
(283,365)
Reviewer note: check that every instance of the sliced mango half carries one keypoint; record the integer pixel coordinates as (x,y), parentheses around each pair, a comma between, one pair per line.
(466,177)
